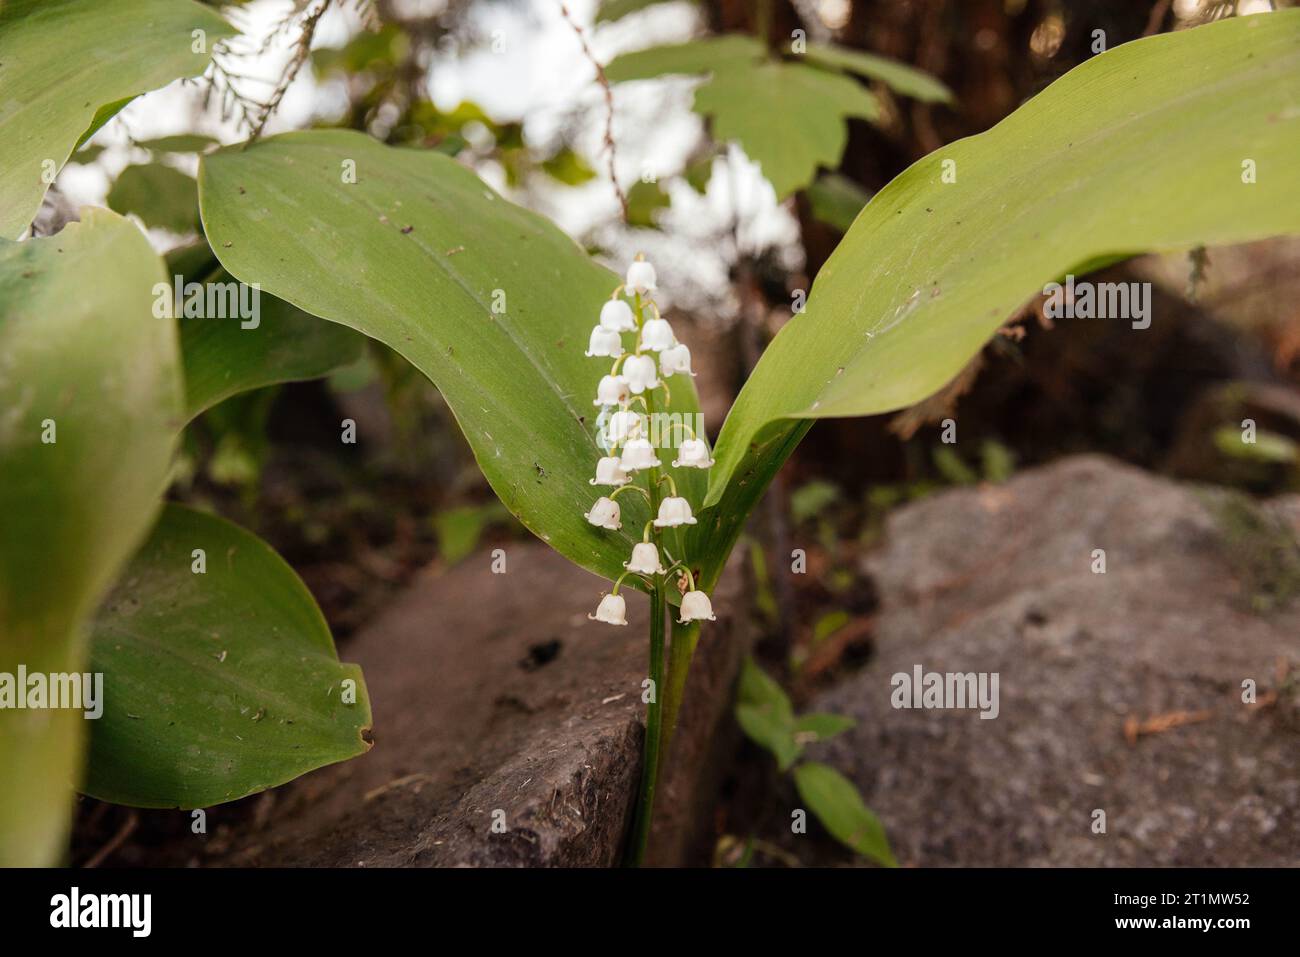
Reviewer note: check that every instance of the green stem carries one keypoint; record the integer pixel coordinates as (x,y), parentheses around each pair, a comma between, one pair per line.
(680,654)
(653,730)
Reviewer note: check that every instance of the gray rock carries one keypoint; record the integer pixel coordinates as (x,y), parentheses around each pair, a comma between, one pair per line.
(495,695)
(1196,598)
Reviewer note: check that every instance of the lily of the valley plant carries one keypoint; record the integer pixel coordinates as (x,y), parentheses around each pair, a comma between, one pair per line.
(632,432)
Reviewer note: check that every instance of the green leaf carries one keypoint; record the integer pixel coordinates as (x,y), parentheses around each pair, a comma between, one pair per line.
(700,172)
(706,55)
(459,529)
(223,683)
(1270,447)
(811,499)
(62,60)
(837,804)
(643,201)
(268,343)
(759,689)
(492,302)
(179,143)
(836,200)
(87,155)
(1139,148)
(822,727)
(764,713)
(789,118)
(899,77)
(90,400)
(828,624)
(611,10)
(767,730)
(569,168)
(160,195)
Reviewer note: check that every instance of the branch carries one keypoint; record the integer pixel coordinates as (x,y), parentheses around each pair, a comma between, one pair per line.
(301,50)
(609,106)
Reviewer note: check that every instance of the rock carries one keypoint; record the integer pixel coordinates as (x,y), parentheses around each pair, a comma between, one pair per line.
(495,698)
(1098,673)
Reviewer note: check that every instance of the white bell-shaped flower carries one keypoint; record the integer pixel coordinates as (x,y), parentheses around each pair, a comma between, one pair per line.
(623,425)
(692,454)
(604,514)
(612,390)
(674,511)
(610,472)
(617,315)
(657,335)
(612,610)
(641,276)
(637,454)
(645,559)
(675,359)
(605,342)
(696,607)
(641,373)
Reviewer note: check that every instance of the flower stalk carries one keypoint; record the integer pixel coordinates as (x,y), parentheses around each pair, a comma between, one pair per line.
(631,446)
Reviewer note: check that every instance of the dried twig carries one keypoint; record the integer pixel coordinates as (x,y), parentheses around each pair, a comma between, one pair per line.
(609,106)
(117,840)
(301,50)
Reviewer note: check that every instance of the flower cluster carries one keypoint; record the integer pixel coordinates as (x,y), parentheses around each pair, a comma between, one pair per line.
(625,398)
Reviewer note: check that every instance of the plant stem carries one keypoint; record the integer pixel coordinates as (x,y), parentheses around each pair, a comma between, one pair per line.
(682,650)
(654,708)
(653,729)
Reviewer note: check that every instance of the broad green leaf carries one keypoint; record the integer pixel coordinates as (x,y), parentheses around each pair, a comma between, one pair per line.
(1140,148)
(262,341)
(611,10)
(837,804)
(820,727)
(899,77)
(223,679)
(491,302)
(789,118)
(179,143)
(61,61)
(160,195)
(836,200)
(90,401)
(706,55)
